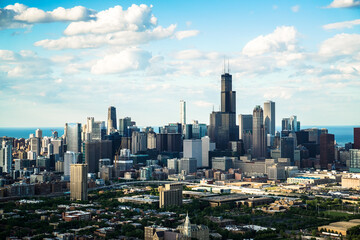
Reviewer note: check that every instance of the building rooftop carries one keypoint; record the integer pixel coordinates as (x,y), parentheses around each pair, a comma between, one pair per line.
(226,198)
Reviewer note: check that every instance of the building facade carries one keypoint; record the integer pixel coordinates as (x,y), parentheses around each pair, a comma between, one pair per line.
(78,182)
(223,128)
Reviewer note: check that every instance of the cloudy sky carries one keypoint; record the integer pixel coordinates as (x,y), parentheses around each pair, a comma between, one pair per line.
(62,61)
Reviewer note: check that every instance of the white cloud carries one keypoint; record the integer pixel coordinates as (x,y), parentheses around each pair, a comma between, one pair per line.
(115,26)
(344,4)
(135,18)
(340,45)
(278,93)
(62,58)
(122,38)
(283,38)
(123,61)
(185,34)
(295,8)
(7,55)
(203,104)
(23,64)
(59,80)
(19,15)
(341,25)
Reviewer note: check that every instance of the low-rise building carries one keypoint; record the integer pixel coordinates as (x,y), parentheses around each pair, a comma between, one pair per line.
(340,228)
(76,215)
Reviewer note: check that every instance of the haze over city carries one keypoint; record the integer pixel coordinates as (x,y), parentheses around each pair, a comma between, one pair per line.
(62,61)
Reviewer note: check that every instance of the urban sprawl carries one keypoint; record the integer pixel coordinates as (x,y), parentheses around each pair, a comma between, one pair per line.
(182,181)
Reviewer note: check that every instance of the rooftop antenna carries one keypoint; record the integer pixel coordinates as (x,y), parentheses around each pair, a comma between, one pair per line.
(213,107)
(228,66)
(224,64)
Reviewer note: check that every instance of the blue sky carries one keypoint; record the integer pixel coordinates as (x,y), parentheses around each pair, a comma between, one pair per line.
(62,61)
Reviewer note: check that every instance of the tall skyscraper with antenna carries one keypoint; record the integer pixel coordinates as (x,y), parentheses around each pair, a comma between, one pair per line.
(223,128)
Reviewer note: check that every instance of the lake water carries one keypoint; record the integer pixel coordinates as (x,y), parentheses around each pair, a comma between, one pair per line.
(343,134)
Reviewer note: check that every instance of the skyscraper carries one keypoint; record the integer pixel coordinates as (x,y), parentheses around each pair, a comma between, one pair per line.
(354,160)
(124,123)
(73,137)
(98,130)
(269,117)
(206,147)
(287,148)
(258,144)
(327,150)
(245,130)
(38,133)
(183,112)
(139,142)
(111,124)
(223,128)
(356,138)
(6,156)
(35,145)
(192,149)
(78,182)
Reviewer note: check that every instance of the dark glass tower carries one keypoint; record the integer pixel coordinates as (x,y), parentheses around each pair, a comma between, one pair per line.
(223,128)
(228,96)
(112,117)
(258,141)
(327,150)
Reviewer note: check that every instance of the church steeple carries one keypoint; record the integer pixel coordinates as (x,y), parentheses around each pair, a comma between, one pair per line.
(187,226)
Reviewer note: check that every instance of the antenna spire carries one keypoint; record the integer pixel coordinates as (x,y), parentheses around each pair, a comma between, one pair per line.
(228,66)
(224,64)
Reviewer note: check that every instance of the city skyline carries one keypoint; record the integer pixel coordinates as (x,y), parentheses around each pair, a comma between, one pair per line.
(63,65)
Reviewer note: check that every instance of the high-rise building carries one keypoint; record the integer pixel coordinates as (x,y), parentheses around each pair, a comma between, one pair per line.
(258,143)
(139,142)
(187,165)
(287,148)
(73,137)
(111,120)
(206,147)
(198,130)
(356,138)
(174,142)
(170,195)
(222,163)
(269,117)
(151,140)
(327,150)
(35,145)
(354,160)
(70,158)
(124,123)
(89,124)
(94,151)
(78,182)
(192,149)
(182,112)
(38,133)
(294,123)
(161,142)
(223,128)
(98,131)
(245,130)
(6,156)
(290,124)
